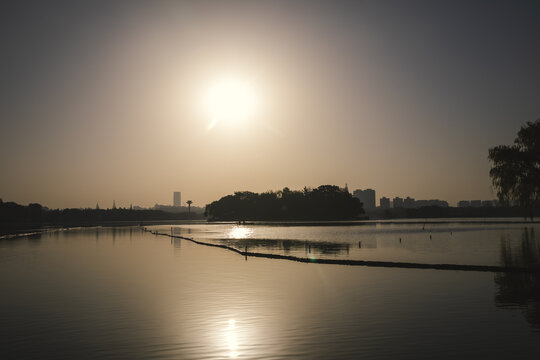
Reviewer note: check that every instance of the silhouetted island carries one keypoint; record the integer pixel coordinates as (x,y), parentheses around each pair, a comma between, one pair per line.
(327,202)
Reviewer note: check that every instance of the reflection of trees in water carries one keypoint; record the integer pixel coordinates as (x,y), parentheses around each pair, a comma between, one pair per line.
(309,247)
(182,231)
(520,289)
(35,239)
(32,240)
(177,243)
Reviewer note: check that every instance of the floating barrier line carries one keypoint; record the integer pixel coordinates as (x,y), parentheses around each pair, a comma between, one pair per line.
(371,263)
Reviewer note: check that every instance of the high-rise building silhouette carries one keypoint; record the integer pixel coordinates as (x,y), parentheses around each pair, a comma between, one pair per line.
(177,199)
(385,203)
(408,203)
(397,202)
(367,197)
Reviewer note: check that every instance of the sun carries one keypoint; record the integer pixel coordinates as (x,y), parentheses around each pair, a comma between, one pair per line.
(230,101)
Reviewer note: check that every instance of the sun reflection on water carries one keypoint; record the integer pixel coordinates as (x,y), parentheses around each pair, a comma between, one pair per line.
(239,232)
(232,339)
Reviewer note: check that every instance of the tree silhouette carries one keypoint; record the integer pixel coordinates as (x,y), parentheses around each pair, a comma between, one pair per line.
(327,202)
(515,173)
(15,217)
(189,202)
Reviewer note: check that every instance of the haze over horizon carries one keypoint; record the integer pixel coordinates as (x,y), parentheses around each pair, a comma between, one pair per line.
(108,101)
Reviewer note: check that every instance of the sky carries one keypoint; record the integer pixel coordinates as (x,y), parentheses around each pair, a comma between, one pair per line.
(103,101)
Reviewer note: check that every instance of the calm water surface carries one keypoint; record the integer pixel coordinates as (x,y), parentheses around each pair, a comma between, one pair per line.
(464,243)
(127,294)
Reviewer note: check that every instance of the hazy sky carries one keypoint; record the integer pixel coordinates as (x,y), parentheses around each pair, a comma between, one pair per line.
(104,100)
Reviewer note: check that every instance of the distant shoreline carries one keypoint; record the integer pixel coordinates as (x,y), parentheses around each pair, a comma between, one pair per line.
(36,229)
(18,230)
(509,220)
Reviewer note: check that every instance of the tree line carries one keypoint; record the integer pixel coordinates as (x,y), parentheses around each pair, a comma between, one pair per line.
(13,215)
(326,202)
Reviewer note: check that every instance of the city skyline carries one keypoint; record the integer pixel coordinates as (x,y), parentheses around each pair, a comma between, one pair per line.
(176,203)
(368,197)
(129,101)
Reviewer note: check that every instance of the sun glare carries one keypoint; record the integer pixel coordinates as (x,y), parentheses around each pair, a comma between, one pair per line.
(231,101)
(239,232)
(232,339)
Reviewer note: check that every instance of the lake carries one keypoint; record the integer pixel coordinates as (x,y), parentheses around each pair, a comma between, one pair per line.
(123,293)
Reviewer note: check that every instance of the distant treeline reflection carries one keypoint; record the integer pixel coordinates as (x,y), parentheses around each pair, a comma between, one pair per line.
(288,245)
(327,202)
(521,289)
